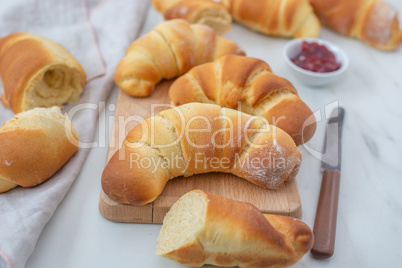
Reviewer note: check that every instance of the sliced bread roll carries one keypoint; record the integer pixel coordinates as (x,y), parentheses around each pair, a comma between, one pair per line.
(202,228)
(38,72)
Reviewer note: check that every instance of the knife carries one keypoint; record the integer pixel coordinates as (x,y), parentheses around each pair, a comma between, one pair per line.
(327,208)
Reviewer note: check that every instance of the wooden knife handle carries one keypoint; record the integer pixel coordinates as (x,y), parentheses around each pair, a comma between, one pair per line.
(325,218)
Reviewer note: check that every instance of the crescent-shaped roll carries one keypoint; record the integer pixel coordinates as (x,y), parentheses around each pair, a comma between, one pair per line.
(34,145)
(38,72)
(207,12)
(375,22)
(172,48)
(247,84)
(201,228)
(163,5)
(285,18)
(198,138)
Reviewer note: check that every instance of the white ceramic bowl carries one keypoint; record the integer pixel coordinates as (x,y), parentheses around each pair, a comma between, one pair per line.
(293,48)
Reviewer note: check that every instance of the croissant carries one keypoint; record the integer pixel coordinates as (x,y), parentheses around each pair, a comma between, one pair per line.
(34,145)
(286,18)
(197,138)
(248,85)
(374,22)
(163,5)
(201,228)
(37,72)
(205,12)
(172,48)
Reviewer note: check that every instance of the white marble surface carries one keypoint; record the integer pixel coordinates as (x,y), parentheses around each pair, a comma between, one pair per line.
(369,228)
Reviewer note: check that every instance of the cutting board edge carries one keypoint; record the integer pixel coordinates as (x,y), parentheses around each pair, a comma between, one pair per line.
(109,209)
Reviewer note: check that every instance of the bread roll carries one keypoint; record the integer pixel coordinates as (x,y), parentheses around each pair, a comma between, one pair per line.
(205,12)
(286,18)
(198,138)
(34,145)
(201,228)
(248,85)
(374,22)
(163,5)
(172,48)
(37,72)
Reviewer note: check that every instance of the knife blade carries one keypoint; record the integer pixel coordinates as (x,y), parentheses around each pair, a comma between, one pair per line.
(327,208)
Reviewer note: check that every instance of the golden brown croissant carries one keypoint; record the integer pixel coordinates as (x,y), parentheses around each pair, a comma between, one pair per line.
(205,12)
(287,18)
(198,138)
(172,48)
(37,72)
(163,5)
(247,84)
(201,228)
(34,145)
(375,22)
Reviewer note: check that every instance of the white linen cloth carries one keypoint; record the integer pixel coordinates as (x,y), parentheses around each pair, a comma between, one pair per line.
(97,33)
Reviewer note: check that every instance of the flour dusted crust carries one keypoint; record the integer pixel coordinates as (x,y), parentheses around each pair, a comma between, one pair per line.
(197,138)
(201,228)
(37,72)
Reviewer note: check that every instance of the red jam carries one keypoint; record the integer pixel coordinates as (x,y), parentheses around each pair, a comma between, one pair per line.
(316,58)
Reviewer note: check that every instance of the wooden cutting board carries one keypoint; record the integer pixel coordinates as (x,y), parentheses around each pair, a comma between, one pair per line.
(131,111)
